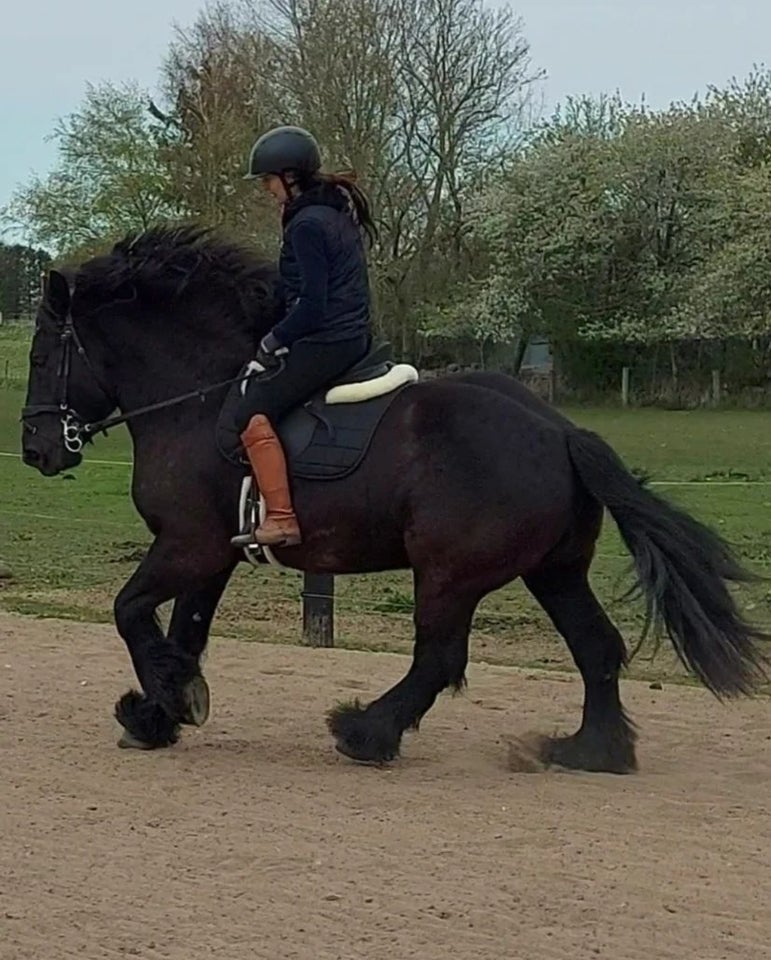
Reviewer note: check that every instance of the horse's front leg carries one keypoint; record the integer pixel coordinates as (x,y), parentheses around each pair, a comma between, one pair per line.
(168,669)
(189,627)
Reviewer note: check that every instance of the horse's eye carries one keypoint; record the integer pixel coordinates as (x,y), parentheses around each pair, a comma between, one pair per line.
(38,360)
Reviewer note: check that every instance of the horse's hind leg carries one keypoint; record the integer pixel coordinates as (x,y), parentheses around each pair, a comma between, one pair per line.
(606,738)
(442,622)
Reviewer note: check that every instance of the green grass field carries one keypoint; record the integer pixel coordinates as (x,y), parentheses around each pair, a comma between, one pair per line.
(14,351)
(73,540)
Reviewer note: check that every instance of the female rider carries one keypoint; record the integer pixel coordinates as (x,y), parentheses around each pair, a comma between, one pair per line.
(326,328)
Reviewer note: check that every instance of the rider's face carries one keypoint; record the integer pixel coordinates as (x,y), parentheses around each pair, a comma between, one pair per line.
(274,185)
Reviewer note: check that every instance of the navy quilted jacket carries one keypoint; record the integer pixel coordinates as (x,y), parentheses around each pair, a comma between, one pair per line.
(324,269)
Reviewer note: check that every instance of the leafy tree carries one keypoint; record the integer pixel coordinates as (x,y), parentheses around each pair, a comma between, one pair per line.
(110,177)
(217,100)
(730,294)
(20,270)
(596,230)
(417,97)
(744,107)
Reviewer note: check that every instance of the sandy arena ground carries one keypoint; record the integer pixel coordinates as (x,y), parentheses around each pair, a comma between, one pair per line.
(253,839)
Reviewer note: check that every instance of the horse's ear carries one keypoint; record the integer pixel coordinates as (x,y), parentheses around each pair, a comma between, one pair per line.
(58,294)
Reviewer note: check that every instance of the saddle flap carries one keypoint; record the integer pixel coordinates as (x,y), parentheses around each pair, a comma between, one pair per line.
(340,438)
(328,437)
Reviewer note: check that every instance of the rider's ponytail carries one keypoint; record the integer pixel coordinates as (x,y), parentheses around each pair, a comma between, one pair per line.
(359,203)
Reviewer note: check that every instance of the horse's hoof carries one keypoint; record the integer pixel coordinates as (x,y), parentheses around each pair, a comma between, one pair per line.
(127,742)
(361,737)
(197,701)
(360,759)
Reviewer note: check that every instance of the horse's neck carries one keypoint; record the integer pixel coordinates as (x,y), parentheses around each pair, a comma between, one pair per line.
(166,370)
(169,434)
(149,364)
(170,368)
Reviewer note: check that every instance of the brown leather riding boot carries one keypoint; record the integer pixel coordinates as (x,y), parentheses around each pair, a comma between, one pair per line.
(280,527)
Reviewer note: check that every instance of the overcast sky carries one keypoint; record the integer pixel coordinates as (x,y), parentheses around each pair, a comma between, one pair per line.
(665,49)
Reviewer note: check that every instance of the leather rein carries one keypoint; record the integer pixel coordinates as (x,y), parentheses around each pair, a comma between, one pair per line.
(76,431)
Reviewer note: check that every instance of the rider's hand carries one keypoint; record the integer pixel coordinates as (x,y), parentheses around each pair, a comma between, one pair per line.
(269,353)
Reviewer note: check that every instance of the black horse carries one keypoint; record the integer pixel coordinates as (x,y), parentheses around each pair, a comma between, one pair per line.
(470,481)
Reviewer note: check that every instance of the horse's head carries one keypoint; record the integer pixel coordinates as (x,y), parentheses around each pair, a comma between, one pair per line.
(62,390)
(165,312)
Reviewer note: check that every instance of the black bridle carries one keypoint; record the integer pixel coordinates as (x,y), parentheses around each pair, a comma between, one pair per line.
(73,428)
(76,431)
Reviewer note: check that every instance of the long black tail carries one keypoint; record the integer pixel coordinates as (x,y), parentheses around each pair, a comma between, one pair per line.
(683,569)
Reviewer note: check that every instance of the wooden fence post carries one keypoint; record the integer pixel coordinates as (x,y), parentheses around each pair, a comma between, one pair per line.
(319,609)
(625,386)
(715,387)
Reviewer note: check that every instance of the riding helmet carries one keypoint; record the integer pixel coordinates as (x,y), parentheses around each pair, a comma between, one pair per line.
(284,149)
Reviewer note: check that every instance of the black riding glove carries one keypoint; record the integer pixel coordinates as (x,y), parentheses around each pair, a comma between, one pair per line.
(269,353)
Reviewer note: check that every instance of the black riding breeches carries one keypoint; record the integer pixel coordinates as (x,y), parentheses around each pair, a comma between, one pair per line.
(308,368)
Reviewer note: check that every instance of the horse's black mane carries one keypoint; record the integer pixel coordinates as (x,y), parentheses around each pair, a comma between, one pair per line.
(161,264)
